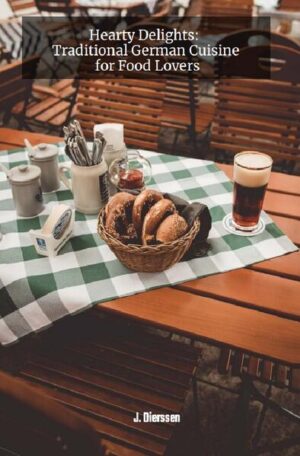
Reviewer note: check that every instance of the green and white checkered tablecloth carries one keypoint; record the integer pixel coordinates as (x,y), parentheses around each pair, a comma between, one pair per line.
(36,291)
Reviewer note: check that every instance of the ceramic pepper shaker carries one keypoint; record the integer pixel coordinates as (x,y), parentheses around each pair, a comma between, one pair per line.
(45,156)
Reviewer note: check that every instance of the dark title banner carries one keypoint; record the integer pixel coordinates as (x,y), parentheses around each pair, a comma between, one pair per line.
(101,47)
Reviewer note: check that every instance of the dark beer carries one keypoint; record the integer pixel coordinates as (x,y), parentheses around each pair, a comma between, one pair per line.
(251,175)
(247,206)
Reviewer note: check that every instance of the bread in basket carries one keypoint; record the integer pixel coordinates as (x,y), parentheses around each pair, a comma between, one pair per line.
(143,253)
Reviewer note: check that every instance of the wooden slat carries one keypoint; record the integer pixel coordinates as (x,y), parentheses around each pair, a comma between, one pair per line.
(244,106)
(237,363)
(15,138)
(281,373)
(20,5)
(235,143)
(294,384)
(253,366)
(221,144)
(134,376)
(224,362)
(282,297)
(175,116)
(57,370)
(109,375)
(214,320)
(135,103)
(282,204)
(288,226)
(82,405)
(285,266)
(267,371)
(114,449)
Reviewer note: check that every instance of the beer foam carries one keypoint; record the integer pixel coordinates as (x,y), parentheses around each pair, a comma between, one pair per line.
(252,169)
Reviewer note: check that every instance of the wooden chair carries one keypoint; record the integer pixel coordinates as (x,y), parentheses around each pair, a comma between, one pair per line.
(11,37)
(229,8)
(222,8)
(235,363)
(259,114)
(250,38)
(177,109)
(223,16)
(181,96)
(136,103)
(49,107)
(15,88)
(33,423)
(255,37)
(22,7)
(107,370)
(251,368)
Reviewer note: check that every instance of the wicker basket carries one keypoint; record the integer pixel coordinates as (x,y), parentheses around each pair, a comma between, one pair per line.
(154,258)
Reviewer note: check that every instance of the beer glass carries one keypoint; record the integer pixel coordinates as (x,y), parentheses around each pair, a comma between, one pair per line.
(251,173)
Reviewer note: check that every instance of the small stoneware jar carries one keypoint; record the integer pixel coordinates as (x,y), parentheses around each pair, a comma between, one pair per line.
(45,156)
(25,182)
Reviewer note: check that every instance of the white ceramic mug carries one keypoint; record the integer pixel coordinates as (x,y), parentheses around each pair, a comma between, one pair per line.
(89,185)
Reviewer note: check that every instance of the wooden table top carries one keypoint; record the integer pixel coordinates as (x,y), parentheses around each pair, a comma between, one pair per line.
(256,309)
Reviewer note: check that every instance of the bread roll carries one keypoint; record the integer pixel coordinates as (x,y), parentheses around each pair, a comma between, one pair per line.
(171,228)
(143,202)
(122,198)
(118,221)
(154,217)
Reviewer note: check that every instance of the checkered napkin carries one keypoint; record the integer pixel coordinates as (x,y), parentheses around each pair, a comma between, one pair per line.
(36,291)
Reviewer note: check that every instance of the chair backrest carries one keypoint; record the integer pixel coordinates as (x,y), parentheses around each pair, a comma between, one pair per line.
(32,423)
(255,37)
(223,16)
(226,7)
(177,88)
(252,38)
(291,5)
(260,114)
(16,81)
(135,103)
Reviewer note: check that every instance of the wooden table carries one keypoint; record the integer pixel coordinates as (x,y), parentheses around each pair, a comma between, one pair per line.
(256,309)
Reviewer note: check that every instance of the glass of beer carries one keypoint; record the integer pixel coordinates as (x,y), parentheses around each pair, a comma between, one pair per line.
(251,173)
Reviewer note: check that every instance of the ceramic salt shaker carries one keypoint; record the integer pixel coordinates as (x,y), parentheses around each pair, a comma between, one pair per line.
(45,156)
(25,181)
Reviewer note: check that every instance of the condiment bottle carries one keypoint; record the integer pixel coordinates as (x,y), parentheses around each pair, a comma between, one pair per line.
(131,173)
(45,156)
(25,181)
(131,179)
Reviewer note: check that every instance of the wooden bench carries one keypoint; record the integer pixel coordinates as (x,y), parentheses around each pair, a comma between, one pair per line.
(106,370)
